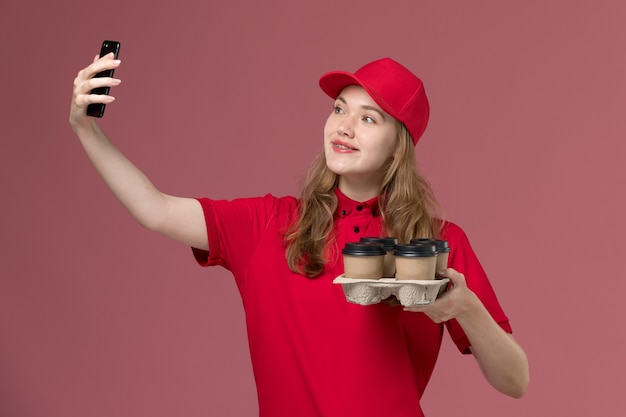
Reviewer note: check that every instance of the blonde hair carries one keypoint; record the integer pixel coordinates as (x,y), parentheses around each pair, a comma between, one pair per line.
(407,205)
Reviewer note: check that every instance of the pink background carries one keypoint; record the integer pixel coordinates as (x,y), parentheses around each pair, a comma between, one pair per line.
(525,149)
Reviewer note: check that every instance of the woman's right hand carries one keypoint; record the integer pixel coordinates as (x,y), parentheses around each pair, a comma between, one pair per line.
(84,83)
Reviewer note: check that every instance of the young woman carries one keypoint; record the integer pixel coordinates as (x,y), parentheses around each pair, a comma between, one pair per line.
(313,353)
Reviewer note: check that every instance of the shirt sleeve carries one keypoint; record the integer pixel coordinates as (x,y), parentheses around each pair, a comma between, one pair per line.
(212,257)
(463,259)
(234,229)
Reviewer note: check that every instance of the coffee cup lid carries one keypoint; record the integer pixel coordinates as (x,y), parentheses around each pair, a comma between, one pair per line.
(418,250)
(440,245)
(363,249)
(388,242)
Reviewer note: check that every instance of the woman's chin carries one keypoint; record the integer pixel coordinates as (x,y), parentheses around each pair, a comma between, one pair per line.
(338,169)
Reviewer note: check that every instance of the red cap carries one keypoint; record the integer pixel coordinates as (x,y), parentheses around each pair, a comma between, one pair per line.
(393,87)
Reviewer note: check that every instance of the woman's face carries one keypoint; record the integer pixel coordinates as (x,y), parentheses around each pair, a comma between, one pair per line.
(359,137)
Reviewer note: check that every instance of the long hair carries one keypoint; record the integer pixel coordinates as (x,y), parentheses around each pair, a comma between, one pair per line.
(407,205)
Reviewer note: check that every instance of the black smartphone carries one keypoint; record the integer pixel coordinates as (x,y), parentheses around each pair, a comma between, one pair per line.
(97,109)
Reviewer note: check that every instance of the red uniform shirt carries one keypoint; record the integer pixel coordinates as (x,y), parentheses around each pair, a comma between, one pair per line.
(313,353)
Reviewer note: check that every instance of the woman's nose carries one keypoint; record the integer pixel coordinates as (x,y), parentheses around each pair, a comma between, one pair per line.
(345,129)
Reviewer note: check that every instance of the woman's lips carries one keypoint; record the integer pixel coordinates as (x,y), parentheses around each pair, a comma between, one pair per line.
(341,146)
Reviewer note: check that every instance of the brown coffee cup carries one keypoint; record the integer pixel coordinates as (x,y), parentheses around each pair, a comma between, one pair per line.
(389,243)
(363,260)
(443,251)
(416,261)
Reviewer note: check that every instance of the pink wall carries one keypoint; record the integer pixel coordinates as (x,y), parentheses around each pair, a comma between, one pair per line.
(525,148)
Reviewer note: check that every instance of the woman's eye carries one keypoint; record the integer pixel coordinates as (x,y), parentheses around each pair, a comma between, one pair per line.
(337,110)
(369,119)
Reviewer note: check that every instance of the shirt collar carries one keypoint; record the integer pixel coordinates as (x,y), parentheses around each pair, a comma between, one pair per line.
(346,205)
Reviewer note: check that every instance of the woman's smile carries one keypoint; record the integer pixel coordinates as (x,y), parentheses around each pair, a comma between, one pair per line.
(342,147)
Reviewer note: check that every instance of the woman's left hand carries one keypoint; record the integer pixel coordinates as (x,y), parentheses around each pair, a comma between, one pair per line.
(451,304)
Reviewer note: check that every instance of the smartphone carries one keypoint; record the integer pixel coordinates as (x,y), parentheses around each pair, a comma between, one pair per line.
(97,109)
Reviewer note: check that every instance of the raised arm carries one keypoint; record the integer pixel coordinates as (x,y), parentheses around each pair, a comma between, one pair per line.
(178,218)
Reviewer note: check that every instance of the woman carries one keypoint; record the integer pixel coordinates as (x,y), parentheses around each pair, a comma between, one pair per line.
(313,353)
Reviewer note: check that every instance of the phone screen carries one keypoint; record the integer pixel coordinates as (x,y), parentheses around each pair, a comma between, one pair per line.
(97,109)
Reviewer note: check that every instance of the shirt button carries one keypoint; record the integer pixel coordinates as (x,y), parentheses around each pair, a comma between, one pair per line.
(343,212)
(359,208)
(374,213)
(357,230)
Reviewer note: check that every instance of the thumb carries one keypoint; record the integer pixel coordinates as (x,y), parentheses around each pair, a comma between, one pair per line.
(456,278)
